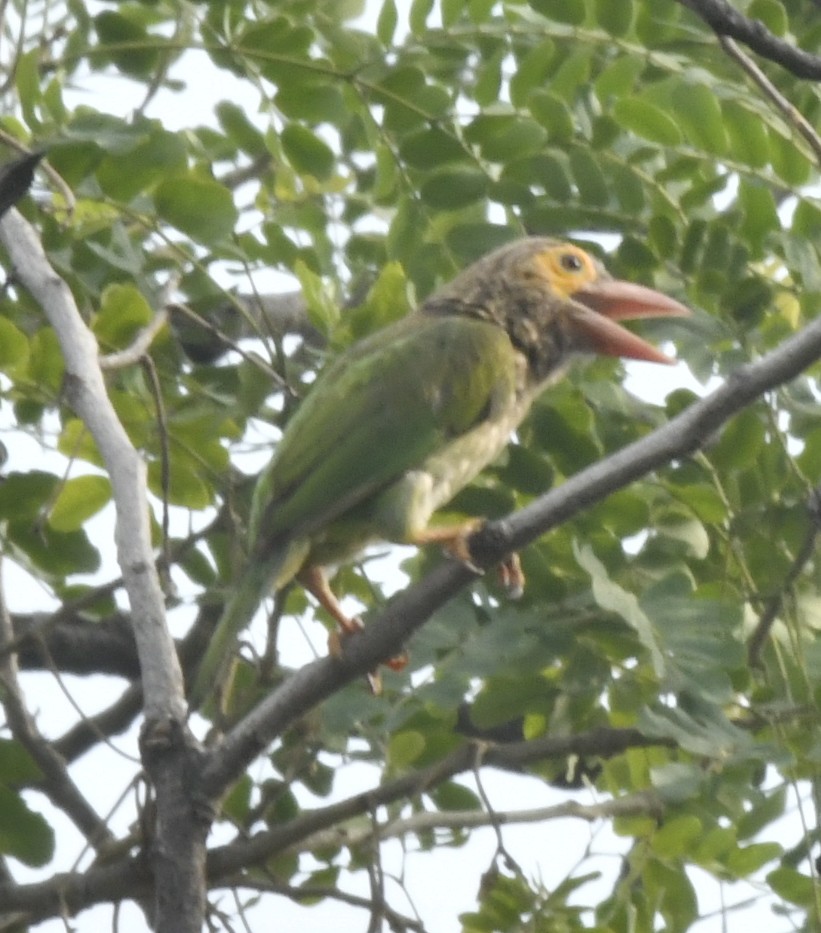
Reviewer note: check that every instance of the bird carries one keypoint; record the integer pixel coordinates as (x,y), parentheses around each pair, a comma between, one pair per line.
(398,423)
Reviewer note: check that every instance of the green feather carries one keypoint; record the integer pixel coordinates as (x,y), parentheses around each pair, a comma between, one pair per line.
(347,470)
(256,582)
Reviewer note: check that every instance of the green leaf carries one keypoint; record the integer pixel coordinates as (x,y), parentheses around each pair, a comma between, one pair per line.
(449,189)
(792,885)
(676,836)
(553,114)
(235,122)
(323,310)
(616,18)
(432,147)
(589,178)
(451,11)
(646,120)
(79,498)
(714,845)
(788,161)
(386,22)
(741,442)
(308,154)
(688,531)
(387,300)
(46,366)
(28,83)
(489,78)
(23,496)
(123,313)
(419,12)
(505,137)
(697,110)
(747,133)
(201,208)
(532,72)
(14,348)
(760,214)
(24,835)
(132,49)
(618,78)
(506,698)
(404,748)
(452,796)
(470,241)
(609,595)
(765,811)
(16,764)
(743,862)
(772,14)
(572,12)
(186,486)
(125,174)
(56,554)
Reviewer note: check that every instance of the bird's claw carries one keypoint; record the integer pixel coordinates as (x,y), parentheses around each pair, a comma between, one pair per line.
(511,576)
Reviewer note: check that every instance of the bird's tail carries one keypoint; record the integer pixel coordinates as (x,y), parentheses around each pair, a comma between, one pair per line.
(257,580)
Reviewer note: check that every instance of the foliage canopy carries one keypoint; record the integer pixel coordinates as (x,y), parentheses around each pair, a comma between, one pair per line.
(361,157)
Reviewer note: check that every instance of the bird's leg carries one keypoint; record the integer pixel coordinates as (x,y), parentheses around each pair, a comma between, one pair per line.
(313,579)
(455,539)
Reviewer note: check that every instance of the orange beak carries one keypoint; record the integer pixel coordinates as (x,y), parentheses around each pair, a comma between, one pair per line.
(598,307)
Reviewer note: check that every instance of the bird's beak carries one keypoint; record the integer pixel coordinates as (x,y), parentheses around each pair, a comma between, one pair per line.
(601,304)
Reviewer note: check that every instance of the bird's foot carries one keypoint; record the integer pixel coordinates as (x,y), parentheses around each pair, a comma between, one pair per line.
(455,539)
(511,576)
(315,582)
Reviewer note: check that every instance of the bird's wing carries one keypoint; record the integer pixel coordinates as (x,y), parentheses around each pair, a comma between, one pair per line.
(377,412)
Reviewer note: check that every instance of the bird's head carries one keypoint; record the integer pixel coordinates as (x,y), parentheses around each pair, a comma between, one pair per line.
(554,299)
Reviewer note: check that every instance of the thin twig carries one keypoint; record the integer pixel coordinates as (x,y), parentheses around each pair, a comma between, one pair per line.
(138,348)
(767,619)
(725,20)
(788,110)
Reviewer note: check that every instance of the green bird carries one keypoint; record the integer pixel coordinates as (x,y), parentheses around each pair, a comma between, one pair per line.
(396,425)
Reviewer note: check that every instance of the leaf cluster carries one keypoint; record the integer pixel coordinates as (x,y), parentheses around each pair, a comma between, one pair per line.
(362,159)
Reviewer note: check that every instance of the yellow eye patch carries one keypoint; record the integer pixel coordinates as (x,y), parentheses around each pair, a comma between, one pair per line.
(568,268)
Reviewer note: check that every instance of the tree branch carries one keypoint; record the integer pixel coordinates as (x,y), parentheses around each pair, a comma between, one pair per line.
(642,803)
(168,747)
(409,610)
(789,111)
(725,20)
(128,878)
(75,645)
(86,390)
(604,743)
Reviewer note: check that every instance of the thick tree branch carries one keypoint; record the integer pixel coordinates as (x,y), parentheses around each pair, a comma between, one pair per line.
(168,748)
(725,20)
(70,893)
(76,645)
(86,391)
(410,609)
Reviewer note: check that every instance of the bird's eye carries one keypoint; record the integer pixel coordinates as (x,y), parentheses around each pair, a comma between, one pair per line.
(570,262)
